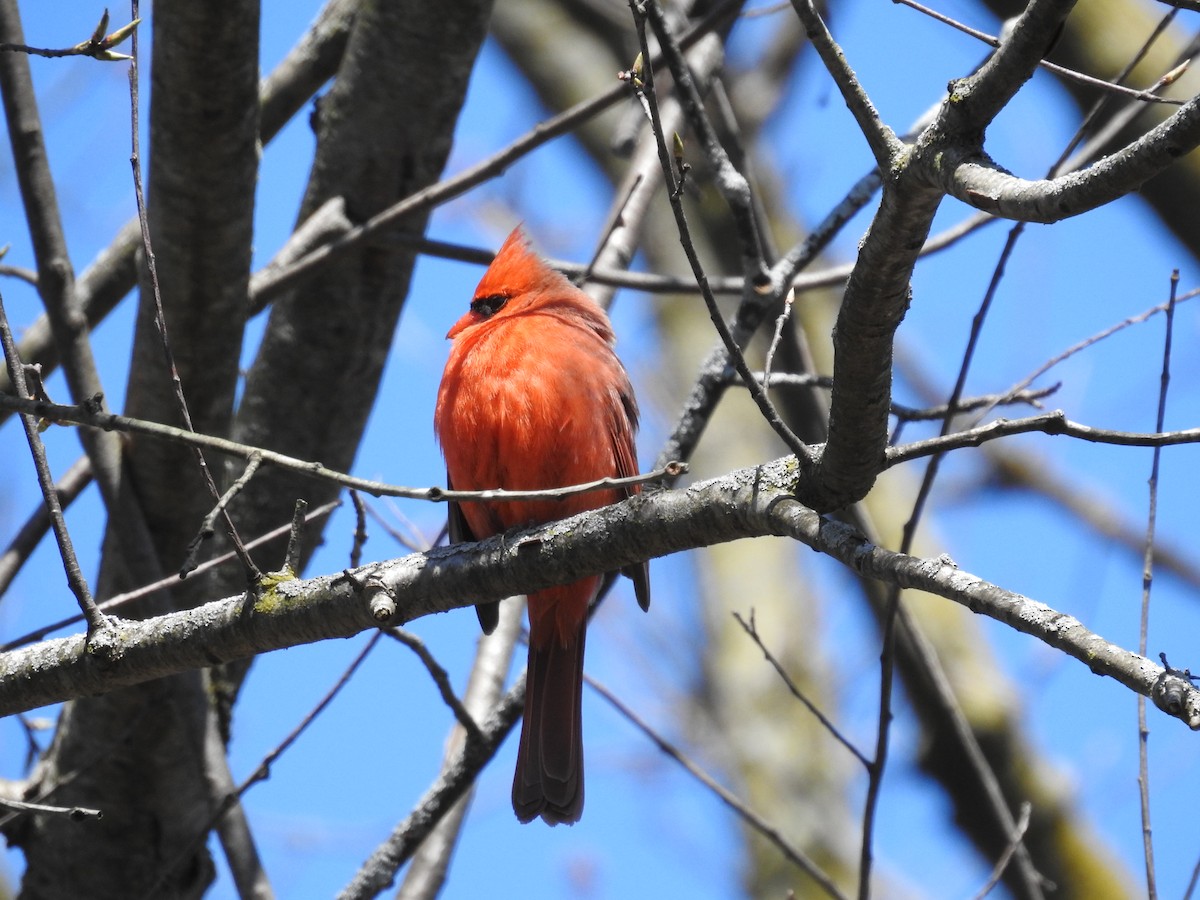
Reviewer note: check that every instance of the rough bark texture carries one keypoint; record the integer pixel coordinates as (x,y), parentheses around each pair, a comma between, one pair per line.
(384,131)
(138,754)
(1100,38)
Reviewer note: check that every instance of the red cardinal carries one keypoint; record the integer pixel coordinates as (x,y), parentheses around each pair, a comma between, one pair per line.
(534,397)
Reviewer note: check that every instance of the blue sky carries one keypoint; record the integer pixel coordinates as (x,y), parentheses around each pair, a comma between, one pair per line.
(648,831)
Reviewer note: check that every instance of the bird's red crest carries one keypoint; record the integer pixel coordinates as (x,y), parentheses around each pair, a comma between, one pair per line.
(516,269)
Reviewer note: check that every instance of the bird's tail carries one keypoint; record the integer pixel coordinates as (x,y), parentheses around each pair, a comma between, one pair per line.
(549,777)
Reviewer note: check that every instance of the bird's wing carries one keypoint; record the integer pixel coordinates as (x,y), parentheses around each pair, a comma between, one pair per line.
(623,422)
(460,531)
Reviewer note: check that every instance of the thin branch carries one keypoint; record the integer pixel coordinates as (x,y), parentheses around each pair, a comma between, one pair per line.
(731,347)
(1133,107)
(901,411)
(98,46)
(791,852)
(1096,338)
(1054,422)
(783,273)
(884,144)
(378,872)
(1113,87)
(208,526)
(780,321)
(98,624)
(29,276)
(752,631)
(427,871)
(1011,468)
(360,529)
(440,678)
(160,323)
(1018,835)
(294,552)
(89,414)
(1147,582)
(263,770)
(75,813)
(232,826)
(414,539)
(732,184)
(14,557)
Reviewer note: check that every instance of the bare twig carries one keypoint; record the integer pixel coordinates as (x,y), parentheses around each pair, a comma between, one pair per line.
(360,529)
(97,622)
(295,545)
(1015,839)
(90,415)
(1147,582)
(98,46)
(900,410)
(780,321)
(440,678)
(427,871)
(1096,338)
(160,322)
(752,631)
(414,539)
(72,483)
(207,527)
(1048,423)
(803,452)
(784,272)
(1113,87)
(71,812)
(232,826)
(379,870)
(263,771)
(882,140)
(731,183)
(29,276)
(793,853)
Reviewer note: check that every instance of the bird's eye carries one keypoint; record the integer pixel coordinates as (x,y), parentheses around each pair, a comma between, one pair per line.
(489,305)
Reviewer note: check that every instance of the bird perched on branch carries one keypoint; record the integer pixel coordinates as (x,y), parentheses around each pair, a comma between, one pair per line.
(533,397)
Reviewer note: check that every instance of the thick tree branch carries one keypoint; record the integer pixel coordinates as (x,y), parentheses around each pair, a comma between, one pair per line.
(113,274)
(975,179)
(978,99)
(749,502)
(876,299)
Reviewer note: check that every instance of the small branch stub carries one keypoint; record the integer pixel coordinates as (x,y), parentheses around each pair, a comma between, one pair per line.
(1175,694)
(380,600)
